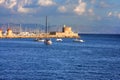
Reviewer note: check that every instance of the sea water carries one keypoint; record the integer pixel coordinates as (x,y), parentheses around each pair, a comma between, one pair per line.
(98,58)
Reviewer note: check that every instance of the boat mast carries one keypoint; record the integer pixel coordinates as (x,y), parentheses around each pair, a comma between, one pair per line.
(46,25)
(47,41)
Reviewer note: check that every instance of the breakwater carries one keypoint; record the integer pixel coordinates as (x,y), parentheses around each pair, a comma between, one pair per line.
(42,35)
(65,33)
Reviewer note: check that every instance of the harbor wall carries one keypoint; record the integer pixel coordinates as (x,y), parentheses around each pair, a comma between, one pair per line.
(66,33)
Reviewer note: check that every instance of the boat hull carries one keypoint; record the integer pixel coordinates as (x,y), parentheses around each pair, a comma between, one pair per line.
(48,42)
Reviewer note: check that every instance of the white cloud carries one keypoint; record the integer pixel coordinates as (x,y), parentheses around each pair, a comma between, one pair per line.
(119,15)
(81,8)
(62,9)
(93,1)
(46,2)
(8,3)
(25,10)
(12,3)
(2,1)
(25,6)
(104,5)
(28,2)
(22,9)
(91,11)
(110,14)
(114,14)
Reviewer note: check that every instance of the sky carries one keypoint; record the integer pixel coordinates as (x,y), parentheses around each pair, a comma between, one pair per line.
(85,16)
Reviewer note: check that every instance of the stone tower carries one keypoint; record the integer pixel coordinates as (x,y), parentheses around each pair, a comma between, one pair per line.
(67,29)
(9,33)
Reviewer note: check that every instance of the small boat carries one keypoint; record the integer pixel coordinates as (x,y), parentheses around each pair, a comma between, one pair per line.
(78,40)
(40,40)
(59,40)
(48,42)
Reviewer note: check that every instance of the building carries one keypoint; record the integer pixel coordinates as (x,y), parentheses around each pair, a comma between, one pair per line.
(67,29)
(66,32)
(0,33)
(9,33)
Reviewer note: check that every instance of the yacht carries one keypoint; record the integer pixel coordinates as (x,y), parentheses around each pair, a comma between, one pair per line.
(59,40)
(47,40)
(78,40)
(40,40)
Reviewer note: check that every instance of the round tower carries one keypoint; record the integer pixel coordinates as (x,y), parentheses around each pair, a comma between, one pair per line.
(9,33)
(0,33)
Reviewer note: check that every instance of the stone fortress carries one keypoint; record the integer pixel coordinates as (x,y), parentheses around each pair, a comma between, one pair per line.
(65,33)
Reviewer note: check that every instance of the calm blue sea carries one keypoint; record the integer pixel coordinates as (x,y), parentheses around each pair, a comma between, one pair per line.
(98,58)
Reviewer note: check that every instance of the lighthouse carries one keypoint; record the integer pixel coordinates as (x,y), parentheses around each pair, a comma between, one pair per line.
(0,33)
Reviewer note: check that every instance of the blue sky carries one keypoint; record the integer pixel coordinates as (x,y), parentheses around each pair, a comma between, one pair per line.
(85,16)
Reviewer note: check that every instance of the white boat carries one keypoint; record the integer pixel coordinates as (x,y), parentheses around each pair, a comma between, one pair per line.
(78,40)
(48,42)
(40,40)
(59,40)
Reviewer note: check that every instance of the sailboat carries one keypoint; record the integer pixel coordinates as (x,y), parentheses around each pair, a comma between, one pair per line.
(47,40)
(39,39)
